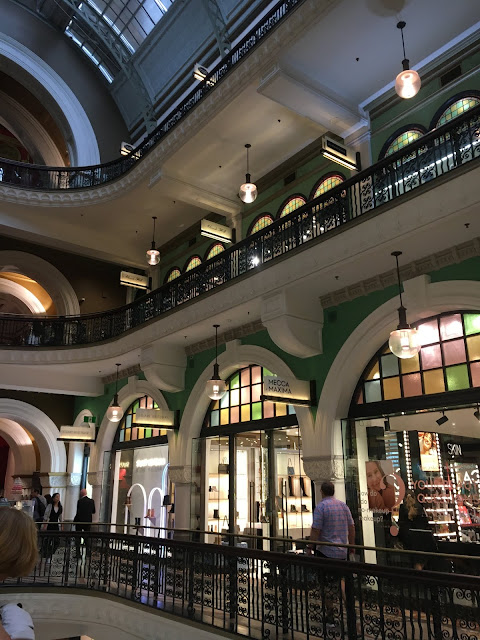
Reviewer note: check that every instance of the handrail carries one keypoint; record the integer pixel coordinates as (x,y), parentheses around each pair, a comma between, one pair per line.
(33,176)
(440,152)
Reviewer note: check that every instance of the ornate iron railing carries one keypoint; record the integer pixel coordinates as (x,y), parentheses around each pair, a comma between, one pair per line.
(59,178)
(438,153)
(262,594)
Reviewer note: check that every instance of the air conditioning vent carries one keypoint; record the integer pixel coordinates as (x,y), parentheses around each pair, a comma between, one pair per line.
(290,178)
(451,75)
(192,241)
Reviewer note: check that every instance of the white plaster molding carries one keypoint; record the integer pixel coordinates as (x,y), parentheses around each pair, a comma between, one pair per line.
(73,479)
(56,480)
(294,321)
(180,475)
(84,142)
(48,276)
(324,468)
(164,366)
(25,296)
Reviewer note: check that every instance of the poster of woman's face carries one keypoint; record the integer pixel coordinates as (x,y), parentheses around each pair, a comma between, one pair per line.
(380,485)
(428,451)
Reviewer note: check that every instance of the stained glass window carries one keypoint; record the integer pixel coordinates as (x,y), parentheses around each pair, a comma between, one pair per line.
(174,273)
(401,141)
(291,205)
(326,184)
(449,360)
(242,401)
(260,223)
(456,109)
(215,250)
(193,262)
(130,430)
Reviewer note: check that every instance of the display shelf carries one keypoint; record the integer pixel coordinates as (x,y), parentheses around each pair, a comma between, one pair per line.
(441,522)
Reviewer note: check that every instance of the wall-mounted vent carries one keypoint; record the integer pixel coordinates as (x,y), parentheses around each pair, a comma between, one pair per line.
(451,75)
(290,178)
(192,241)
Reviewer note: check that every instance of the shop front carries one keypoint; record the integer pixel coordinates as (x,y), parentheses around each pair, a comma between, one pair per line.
(412,442)
(140,489)
(248,469)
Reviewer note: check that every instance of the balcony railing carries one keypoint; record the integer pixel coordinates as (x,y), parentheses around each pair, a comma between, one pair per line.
(262,594)
(440,152)
(60,178)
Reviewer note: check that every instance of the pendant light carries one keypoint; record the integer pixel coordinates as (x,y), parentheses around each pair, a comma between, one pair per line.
(404,341)
(408,82)
(248,191)
(115,411)
(153,254)
(216,388)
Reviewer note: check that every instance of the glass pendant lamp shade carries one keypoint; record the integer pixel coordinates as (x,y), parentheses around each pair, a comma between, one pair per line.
(248,191)
(216,388)
(404,342)
(408,82)
(115,411)
(153,254)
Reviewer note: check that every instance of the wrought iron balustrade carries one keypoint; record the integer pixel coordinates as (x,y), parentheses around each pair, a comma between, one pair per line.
(262,594)
(438,153)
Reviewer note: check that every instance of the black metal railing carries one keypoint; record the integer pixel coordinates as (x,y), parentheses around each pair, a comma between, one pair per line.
(60,178)
(262,594)
(438,153)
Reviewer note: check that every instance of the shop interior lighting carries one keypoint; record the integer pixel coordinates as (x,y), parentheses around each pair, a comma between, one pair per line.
(248,191)
(477,413)
(153,254)
(115,411)
(216,388)
(404,342)
(442,420)
(408,82)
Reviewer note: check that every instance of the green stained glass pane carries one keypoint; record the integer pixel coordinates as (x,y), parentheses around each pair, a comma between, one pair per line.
(148,433)
(215,418)
(373,393)
(128,421)
(292,204)
(261,223)
(266,372)
(257,411)
(327,184)
(456,109)
(389,366)
(403,140)
(136,406)
(472,323)
(457,377)
(235,381)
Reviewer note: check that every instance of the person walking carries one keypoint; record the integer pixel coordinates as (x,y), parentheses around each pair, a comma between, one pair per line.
(84,515)
(39,506)
(52,521)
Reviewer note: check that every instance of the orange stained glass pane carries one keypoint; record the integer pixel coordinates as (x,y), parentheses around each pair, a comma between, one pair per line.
(280,409)
(127,435)
(256,375)
(391,388)
(245,413)
(268,410)
(433,381)
(473,346)
(140,433)
(245,378)
(135,434)
(216,405)
(155,433)
(410,365)
(292,204)
(224,417)
(234,415)
(374,372)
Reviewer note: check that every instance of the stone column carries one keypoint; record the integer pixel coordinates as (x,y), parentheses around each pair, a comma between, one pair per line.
(182,478)
(95,479)
(321,468)
(74,473)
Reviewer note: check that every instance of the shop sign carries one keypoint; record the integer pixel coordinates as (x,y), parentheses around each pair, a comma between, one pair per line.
(150,462)
(82,433)
(296,392)
(135,280)
(454,450)
(158,417)
(216,231)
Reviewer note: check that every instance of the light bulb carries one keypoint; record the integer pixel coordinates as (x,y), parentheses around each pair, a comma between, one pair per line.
(216,389)
(404,343)
(114,413)
(407,83)
(153,256)
(248,192)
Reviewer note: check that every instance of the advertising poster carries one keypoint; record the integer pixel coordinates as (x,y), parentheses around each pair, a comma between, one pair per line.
(428,451)
(385,488)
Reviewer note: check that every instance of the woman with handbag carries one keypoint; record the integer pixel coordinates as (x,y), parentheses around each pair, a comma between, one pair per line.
(52,521)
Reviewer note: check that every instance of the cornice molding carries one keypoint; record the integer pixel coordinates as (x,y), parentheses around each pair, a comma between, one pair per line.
(226,336)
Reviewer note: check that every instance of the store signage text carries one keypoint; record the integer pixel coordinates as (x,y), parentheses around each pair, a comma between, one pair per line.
(290,391)
(216,231)
(158,417)
(454,449)
(85,432)
(135,280)
(150,462)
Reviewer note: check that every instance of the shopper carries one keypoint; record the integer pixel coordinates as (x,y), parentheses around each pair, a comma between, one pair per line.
(39,505)
(414,530)
(52,521)
(84,515)
(332,522)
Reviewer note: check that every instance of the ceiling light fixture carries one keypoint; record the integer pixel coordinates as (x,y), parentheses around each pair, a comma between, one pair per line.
(442,420)
(477,413)
(153,254)
(404,342)
(408,82)
(248,191)
(115,411)
(216,388)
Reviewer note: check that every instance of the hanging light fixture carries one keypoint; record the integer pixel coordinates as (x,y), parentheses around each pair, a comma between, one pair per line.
(408,82)
(404,341)
(248,191)
(115,411)
(153,254)
(216,388)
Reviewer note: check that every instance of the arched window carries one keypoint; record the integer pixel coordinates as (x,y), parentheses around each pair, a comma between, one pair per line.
(194,261)
(449,361)
(455,109)
(291,204)
(400,141)
(173,273)
(326,183)
(130,430)
(214,250)
(260,223)
(242,401)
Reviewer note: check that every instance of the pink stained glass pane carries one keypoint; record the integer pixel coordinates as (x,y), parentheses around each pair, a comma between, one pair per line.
(454,352)
(412,385)
(245,378)
(268,410)
(256,376)
(135,434)
(428,332)
(155,433)
(475,371)
(245,398)
(256,392)
(234,415)
(451,326)
(149,403)
(431,357)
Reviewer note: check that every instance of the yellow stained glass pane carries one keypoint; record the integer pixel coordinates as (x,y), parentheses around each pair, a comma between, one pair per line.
(194,262)
(224,417)
(261,223)
(140,433)
(433,381)
(292,204)
(391,388)
(410,365)
(473,345)
(215,250)
(327,184)
(127,435)
(374,372)
(280,409)
(174,273)
(403,140)
(245,414)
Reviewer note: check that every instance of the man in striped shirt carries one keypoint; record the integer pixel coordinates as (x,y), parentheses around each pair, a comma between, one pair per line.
(332,522)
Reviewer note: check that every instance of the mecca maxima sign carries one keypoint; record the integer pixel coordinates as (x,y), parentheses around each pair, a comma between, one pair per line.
(296,392)
(216,231)
(135,280)
(85,432)
(157,417)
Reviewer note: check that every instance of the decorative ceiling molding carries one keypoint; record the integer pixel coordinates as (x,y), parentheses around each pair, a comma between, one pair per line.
(122,373)
(226,336)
